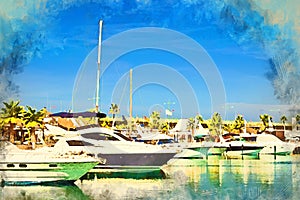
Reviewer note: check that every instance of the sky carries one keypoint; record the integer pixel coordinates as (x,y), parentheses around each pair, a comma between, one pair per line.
(189,56)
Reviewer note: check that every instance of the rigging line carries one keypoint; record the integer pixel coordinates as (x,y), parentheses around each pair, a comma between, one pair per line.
(142,102)
(124,90)
(79,76)
(119,74)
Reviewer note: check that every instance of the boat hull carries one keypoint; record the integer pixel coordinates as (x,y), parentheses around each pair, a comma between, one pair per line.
(210,150)
(137,159)
(278,149)
(131,165)
(43,173)
(238,152)
(201,150)
(217,151)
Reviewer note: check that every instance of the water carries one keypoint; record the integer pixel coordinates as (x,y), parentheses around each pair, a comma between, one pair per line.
(216,178)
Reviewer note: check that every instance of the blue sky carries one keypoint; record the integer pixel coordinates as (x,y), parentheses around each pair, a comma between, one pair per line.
(241,39)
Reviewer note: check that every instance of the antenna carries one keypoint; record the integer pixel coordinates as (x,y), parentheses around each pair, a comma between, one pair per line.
(130,102)
(98,70)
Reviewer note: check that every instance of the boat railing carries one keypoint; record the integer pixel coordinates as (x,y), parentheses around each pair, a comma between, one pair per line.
(26,156)
(87,126)
(37,156)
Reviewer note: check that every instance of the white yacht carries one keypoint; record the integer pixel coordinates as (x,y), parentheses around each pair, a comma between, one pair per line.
(239,148)
(120,152)
(257,144)
(229,146)
(273,145)
(185,150)
(45,165)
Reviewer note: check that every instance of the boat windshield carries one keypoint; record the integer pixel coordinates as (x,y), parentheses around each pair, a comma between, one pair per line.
(122,136)
(78,143)
(248,139)
(99,136)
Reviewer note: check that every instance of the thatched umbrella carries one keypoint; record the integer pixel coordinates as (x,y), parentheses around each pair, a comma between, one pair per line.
(66,123)
(251,130)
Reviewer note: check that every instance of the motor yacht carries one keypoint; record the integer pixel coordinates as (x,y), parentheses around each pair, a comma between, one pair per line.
(45,165)
(120,152)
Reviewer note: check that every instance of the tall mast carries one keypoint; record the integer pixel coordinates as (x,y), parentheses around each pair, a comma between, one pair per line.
(98,70)
(130,101)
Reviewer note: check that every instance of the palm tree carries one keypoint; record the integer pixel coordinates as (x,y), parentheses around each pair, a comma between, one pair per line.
(283,119)
(239,123)
(229,127)
(191,125)
(164,127)
(199,119)
(265,118)
(33,119)
(2,130)
(45,114)
(154,119)
(297,120)
(114,109)
(11,114)
(215,127)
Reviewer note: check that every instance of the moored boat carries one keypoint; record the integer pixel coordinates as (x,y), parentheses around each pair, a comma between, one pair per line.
(121,153)
(43,166)
(238,147)
(273,145)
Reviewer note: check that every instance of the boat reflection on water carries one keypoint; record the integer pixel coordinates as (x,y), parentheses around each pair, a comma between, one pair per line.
(264,178)
(70,191)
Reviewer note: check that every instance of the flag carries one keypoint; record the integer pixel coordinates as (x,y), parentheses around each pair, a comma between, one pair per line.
(168,112)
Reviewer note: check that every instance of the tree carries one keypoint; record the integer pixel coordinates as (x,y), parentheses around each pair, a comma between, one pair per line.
(283,119)
(265,118)
(114,109)
(229,127)
(237,126)
(33,119)
(154,119)
(44,112)
(191,125)
(104,122)
(239,123)
(2,129)
(215,127)
(298,118)
(164,127)
(12,114)
(199,119)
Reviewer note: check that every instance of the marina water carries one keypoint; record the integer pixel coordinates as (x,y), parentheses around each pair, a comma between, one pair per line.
(268,177)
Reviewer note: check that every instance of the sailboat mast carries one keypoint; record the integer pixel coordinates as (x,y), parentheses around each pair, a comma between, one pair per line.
(98,70)
(130,102)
